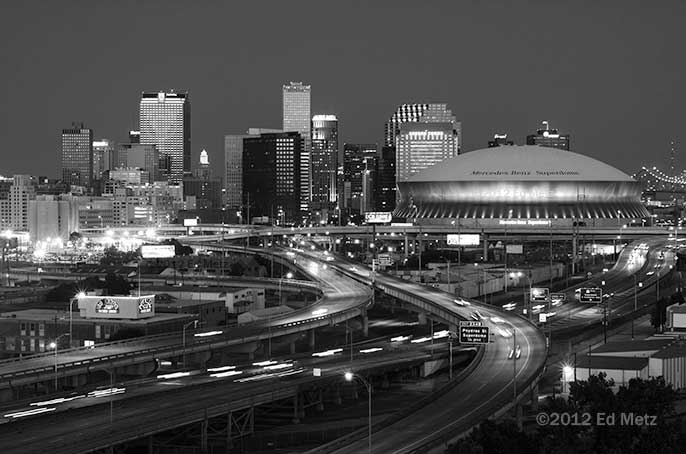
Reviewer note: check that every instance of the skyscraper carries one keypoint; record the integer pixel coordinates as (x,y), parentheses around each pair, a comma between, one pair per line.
(549,138)
(423,137)
(103,155)
(324,162)
(21,191)
(77,155)
(271,177)
(359,162)
(297,117)
(165,122)
(233,163)
(384,183)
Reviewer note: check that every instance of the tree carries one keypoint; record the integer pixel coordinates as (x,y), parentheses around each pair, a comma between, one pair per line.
(75,237)
(179,249)
(116,285)
(113,257)
(659,314)
(499,438)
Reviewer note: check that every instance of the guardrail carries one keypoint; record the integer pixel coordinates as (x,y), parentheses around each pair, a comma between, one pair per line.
(401,414)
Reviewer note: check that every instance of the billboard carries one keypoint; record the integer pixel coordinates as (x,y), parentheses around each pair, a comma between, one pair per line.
(157,251)
(472,333)
(117,307)
(591,295)
(514,249)
(463,239)
(540,294)
(377,217)
(190,222)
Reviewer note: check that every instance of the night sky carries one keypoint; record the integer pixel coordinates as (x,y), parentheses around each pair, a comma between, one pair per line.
(610,73)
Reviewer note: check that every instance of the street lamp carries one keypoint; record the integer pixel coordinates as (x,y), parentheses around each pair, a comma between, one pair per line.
(349,376)
(71,301)
(54,344)
(640,284)
(195,325)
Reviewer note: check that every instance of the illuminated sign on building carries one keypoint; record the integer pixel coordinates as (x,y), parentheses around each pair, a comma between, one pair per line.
(190,222)
(107,306)
(463,240)
(117,307)
(145,304)
(377,217)
(156,251)
(524,221)
(514,249)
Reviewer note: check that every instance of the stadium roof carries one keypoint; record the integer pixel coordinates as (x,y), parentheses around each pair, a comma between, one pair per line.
(521,163)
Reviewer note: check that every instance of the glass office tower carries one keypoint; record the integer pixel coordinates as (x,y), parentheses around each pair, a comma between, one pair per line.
(165,122)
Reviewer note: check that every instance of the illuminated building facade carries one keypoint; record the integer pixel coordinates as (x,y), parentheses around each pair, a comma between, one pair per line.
(165,121)
(271,177)
(77,155)
(384,181)
(297,117)
(103,154)
(550,138)
(324,162)
(521,183)
(423,135)
(21,192)
(359,167)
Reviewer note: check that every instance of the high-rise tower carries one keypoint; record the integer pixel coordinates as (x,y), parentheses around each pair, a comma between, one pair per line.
(297,117)
(324,161)
(423,135)
(77,155)
(549,138)
(165,121)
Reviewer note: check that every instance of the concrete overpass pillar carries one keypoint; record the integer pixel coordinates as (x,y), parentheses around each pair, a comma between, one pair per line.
(312,339)
(296,412)
(407,246)
(485,252)
(337,395)
(534,398)
(422,318)
(320,404)
(365,324)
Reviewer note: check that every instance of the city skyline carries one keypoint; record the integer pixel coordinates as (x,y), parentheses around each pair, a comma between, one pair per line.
(585,84)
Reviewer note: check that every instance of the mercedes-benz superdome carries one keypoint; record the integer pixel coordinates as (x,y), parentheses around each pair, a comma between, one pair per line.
(519,185)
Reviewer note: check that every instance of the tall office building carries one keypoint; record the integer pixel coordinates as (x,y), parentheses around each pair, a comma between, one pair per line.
(103,151)
(423,135)
(21,192)
(549,138)
(138,156)
(271,177)
(384,183)
(165,121)
(324,162)
(297,117)
(359,167)
(77,155)
(206,190)
(233,165)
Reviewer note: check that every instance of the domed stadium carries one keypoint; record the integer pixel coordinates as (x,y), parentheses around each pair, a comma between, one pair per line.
(520,182)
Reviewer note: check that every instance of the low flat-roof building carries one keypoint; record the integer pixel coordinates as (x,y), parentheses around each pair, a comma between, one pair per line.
(208,312)
(619,368)
(237,300)
(32,330)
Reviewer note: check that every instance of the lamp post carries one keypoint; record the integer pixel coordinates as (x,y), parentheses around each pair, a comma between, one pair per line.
(195,325)
(349,376)
(54,344)
(514,371)
(71,301)
(527,302)
(640,284)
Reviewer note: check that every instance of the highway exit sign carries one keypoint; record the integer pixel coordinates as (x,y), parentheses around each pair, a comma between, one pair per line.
(474,334)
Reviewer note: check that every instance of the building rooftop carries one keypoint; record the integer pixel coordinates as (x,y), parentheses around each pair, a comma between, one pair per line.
(676,350)
(611,362)
(521,163)
(179,303)
(632,346)
(47,315)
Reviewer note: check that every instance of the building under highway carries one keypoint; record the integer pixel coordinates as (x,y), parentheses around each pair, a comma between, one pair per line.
(521,185)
